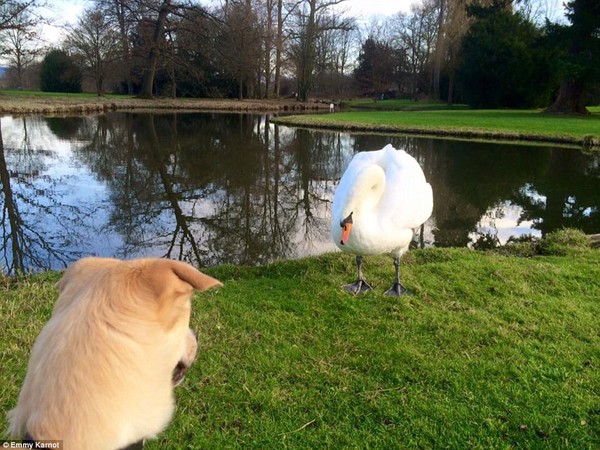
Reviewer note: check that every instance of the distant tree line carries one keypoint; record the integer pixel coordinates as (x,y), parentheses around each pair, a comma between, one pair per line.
(487,53)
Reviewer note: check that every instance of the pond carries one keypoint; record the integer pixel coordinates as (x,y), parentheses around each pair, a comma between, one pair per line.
(214,188)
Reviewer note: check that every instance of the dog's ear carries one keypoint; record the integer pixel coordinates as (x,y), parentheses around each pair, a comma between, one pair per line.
(171,284)
(169,278)
(192,276)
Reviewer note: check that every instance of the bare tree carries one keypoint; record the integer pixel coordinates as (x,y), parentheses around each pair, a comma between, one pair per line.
(416,32)
(120,14)
(455,25)
(154,51)
(12,10)
(442,13)
(240,44)
(331,78)
(95,43)
(154,20)
(452,24)
(278,48)
(266,13)
(20,45)
(18,21)
(312,19)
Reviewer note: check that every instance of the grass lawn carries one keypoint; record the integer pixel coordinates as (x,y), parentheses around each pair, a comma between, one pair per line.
(492,124)
(399,105)
(493,351)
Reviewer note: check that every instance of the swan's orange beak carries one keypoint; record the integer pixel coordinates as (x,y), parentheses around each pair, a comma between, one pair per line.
(346,225)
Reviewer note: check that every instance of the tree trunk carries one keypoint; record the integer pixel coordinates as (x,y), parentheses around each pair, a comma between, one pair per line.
(439,51)
(157,35)
(99,83)
(308,54)
(451,90)
(278,49)
(124,44)
(19,70)
(268,49)
(173,80)
(570,99)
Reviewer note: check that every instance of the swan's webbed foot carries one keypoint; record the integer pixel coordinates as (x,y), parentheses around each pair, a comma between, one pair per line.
(397,290)
(360,286)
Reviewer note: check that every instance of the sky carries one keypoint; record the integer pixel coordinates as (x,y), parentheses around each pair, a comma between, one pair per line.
(367,8)
(60,12)
(68,11)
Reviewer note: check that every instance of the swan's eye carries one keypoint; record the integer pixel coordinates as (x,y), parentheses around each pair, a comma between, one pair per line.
(374,187)
(347,220)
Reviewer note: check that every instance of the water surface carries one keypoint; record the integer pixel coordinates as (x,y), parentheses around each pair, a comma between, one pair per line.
(213,188)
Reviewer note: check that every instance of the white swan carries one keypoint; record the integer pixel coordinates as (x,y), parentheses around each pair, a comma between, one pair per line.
(381,198)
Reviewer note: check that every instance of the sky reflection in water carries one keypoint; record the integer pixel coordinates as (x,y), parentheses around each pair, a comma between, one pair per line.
(234,188)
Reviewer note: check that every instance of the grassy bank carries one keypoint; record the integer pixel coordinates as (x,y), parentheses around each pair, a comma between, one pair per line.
(389,116)
(486,124)
(399,105)
(411,105)
(35,102)
(492,351)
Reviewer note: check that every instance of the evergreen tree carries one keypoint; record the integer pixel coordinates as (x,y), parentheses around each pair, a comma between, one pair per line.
(58,73)
(581,56)
(378,67)
(504,61)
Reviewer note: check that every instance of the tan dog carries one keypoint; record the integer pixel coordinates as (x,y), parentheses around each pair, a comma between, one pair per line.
(102,370)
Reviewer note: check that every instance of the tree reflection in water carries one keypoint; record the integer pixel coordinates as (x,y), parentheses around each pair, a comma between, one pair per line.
(39,223)
(234,188)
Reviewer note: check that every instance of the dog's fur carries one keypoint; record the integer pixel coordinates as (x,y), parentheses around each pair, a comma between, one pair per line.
(101,372)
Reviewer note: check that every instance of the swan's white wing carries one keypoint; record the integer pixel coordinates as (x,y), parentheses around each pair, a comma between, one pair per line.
(408,198)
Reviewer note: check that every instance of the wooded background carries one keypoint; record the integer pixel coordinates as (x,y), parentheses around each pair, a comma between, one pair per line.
(487,53)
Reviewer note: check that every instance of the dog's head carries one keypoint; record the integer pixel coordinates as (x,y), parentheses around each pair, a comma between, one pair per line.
(159,286)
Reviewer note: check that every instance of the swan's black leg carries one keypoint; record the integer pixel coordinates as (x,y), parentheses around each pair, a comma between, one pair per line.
(397,290)
(361,284)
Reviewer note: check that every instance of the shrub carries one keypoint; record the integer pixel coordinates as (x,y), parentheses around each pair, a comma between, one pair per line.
(524,246)
(59,73)
(564,242)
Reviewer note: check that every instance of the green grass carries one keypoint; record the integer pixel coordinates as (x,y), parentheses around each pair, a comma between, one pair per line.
(399,105)
(493,351)
(491,124)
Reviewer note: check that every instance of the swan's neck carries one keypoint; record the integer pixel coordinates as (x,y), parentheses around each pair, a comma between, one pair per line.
(366,192)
